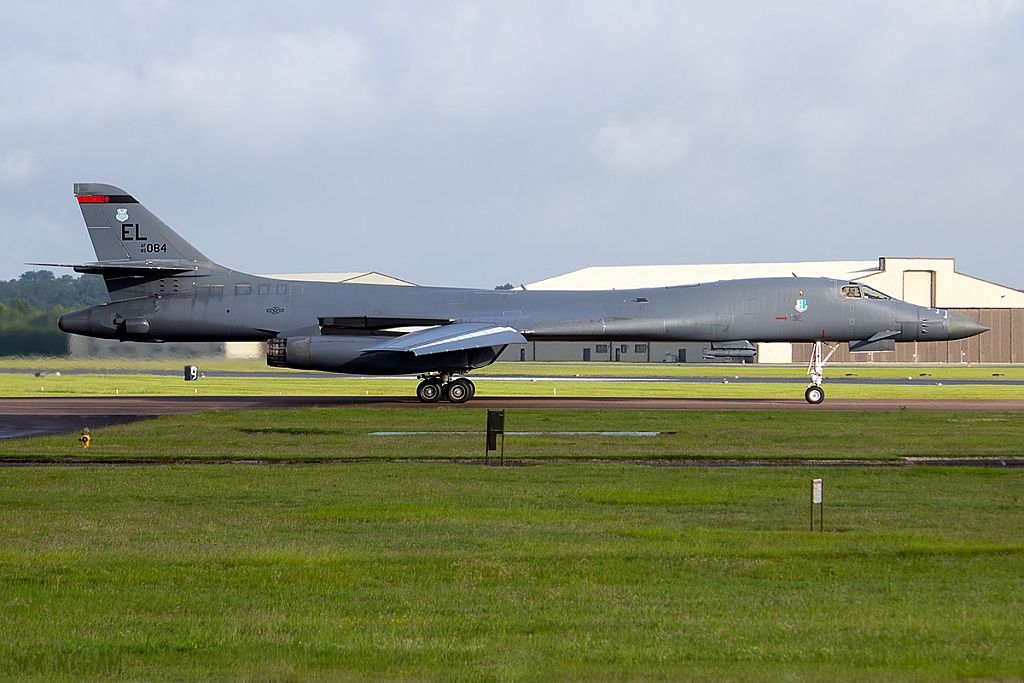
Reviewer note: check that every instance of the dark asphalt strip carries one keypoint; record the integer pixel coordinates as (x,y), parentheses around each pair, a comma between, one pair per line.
(28,426)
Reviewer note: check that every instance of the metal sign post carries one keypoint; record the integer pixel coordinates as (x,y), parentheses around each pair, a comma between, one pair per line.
(495,426)
(816,500)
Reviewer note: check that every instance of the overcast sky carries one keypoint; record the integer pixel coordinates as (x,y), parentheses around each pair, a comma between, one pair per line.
(473,144)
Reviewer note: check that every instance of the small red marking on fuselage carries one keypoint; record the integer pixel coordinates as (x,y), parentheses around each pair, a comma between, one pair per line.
(96,199)
(782,318)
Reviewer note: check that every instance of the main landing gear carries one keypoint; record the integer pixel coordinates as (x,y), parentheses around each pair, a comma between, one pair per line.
(442,387)
(815,394)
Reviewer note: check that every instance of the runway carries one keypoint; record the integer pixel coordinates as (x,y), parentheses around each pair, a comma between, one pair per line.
(37,416)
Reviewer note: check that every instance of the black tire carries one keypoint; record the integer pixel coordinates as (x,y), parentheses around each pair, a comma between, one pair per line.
(814,395)
(472,388)
(459,391)
(429,391)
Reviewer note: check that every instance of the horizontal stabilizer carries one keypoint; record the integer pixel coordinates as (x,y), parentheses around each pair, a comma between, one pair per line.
(126,267)
(454,337)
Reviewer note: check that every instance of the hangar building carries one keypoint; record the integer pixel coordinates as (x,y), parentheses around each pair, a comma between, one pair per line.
(932,282)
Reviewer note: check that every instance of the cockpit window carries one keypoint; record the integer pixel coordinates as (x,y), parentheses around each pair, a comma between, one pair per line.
(862,291)
(873,293)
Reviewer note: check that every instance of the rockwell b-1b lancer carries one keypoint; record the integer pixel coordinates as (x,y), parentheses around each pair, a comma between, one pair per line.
(164,289)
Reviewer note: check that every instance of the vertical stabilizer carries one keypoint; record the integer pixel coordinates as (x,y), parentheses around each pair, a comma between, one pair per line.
(123,229)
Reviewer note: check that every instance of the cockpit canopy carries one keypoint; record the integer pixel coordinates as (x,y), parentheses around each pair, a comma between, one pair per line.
(862,292)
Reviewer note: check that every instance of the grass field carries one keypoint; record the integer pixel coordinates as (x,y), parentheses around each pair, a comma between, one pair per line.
(578,571)
(346,433)
(407,560)
(549,379)
(299,385)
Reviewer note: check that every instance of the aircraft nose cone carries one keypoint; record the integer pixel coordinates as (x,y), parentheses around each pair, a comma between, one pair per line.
(961,326)
(75,322)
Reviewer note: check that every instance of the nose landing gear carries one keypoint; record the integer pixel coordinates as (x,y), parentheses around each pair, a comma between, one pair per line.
(442,387)
(815,394)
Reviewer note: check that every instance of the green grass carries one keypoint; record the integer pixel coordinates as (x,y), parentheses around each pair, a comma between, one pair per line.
(313,385)
(552,379)
(937,372)
(580,571)
(345,433)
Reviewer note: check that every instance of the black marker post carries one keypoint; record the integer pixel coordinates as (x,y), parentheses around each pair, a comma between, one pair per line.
(495,426)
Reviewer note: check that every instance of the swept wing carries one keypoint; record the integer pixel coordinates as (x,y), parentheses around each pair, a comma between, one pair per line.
(454,337)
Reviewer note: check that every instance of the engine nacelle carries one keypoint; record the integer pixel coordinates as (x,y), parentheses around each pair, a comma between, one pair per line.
(328,353)
(336,353)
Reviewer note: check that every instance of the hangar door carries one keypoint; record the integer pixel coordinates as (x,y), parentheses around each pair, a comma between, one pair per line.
(919,287)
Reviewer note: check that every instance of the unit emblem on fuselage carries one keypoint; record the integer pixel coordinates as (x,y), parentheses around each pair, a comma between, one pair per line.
(121,215)
(801,305)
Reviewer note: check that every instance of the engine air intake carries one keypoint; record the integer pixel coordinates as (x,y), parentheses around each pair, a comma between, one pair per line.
(277,352)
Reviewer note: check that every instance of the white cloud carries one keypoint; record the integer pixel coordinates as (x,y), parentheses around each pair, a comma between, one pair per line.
(261,91)
(648,145)
(418,123)
(19,165)
(264,91)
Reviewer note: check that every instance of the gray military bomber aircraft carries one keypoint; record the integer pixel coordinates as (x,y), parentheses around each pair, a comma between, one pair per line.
(164,289)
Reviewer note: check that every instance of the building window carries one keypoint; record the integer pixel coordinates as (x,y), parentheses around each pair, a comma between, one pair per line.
(263,289)
(601,348)
(640,348)
(624,348)
(243,288)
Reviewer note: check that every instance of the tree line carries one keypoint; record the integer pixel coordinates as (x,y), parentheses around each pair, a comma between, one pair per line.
(31,304)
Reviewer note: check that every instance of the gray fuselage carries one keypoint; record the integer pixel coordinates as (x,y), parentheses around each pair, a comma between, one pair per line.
(217,304)
(164,289)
